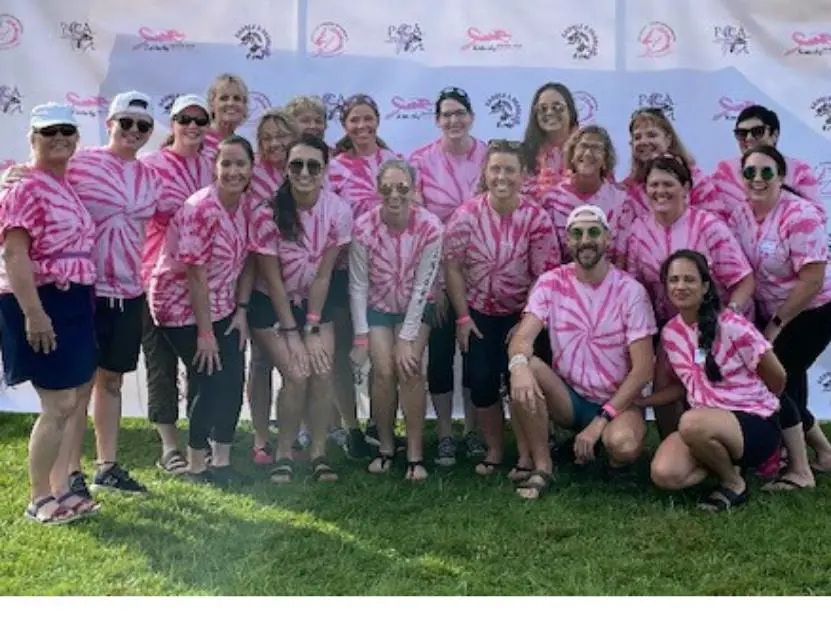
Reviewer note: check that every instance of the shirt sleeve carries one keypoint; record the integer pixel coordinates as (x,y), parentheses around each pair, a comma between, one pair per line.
(730,265)
(639,315)
(706,196)
(541,298)
(19,208)
(340,232)
(425,276)
(196,234)
(262,231)
(456,236)
(806,183)
(543,248)
(749,343)
(806,237)
(359,286)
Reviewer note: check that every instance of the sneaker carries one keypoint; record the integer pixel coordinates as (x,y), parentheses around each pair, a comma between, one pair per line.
(226,476)
(356,445)
(475,447)
(339,436)
(447,452)
(372,435)
(117,479)
(263,456)
(78,485)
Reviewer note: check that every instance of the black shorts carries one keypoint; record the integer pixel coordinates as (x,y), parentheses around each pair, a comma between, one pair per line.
(118,329)
(73,362)
(261,314)
(338,296)
(761,438)
(377,318)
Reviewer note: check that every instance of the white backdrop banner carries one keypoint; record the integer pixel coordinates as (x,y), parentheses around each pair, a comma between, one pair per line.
(702,61)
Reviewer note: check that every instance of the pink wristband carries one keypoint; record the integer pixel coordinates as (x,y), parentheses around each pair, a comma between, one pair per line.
(360,341)
(462,320)
(206,334)
(611,411)
(311,317)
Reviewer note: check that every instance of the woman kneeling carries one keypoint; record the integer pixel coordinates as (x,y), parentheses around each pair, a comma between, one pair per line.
(731,378)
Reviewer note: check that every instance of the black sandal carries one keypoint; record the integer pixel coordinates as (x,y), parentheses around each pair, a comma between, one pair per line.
(173,462)
(386,463)
(322,471)
(722,499)
(521,473)
(539,488)
(283,468)
(411,467)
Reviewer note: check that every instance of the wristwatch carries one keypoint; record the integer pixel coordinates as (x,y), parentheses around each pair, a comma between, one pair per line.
(311,330)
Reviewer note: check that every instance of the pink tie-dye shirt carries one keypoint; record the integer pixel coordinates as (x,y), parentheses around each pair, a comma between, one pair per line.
(61,231)
(500,255)
(551,168)
(791,236)
(265,180)
(354,178)
(737,350)
(393,271)
(327,225)
(446,181)
(183,176)
(203,233)
(730,183)
(591,327)
(210,145)
(562,198)
(650,244)
(121,196)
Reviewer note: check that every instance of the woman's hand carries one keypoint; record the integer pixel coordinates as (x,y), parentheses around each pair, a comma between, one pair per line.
(206,358)
(239,323)
(39,332)
(463,332)
(298,355)
(321,360)
(407,361)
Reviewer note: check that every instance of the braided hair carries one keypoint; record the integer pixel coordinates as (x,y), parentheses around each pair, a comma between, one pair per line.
(708,311)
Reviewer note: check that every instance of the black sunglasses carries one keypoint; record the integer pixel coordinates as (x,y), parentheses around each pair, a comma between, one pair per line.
(185,120)
(454,91)
(757,132)
(650,110)
(767,173)
(505,144)
(314,167)
(126,124)
(64,130)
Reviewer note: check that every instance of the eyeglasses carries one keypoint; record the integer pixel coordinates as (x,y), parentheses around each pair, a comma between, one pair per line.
(594,232)
(757,132)
(650,110)
(767,173)
(126,124)
(186,120)
(386,190)
(452,114)
(557,107)
(314,167)
(64,130)
(454,91)
(505,144)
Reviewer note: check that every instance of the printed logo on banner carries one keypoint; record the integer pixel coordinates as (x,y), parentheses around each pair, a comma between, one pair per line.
(256,41)
(586,105)
(816,44)
(729,109)
(408,38)
(657,39)
(733,39)
(258,103)
(11,31)
(11,100)
(824,382)
(169,40)
(496,40)
(79,35)
(662,101)
(822,172)
(822,110)
(583,41)
(91,106)
(328,39)
(166,101)
(333,103)
(410,108)
(505,107)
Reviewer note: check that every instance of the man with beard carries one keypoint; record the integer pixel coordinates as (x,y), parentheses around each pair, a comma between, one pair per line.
(601,325)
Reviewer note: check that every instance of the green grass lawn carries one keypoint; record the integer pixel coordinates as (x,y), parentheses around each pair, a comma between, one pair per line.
(456,534)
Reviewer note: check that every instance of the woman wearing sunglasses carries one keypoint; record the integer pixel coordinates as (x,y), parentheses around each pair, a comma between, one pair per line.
(47,324)
(358,157)
(448,171)
(495,246)
(185,169)
(291,293)
(757,125)
(731,379)
(674,224)
(784,237)
(651,134)
(393,261)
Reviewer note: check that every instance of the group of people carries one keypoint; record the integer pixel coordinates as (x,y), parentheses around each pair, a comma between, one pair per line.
(577,300)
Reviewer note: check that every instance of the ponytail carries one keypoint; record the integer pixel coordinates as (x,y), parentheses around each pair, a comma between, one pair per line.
(345,145)
(284,207)
(792,190)
(707,330)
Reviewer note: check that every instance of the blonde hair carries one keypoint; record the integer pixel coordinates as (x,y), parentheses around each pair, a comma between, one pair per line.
(656,117)
(224,80)
(278,116)
(610,161)
(301,103)
(395,163)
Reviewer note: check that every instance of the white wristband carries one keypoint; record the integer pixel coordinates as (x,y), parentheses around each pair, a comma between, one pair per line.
(516,361)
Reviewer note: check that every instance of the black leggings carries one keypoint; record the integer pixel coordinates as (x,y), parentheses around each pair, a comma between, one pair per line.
(214,402)
(487,357)
(441,354)
(798,346)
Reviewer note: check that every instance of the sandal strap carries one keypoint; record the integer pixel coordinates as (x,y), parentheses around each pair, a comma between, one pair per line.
(37,504)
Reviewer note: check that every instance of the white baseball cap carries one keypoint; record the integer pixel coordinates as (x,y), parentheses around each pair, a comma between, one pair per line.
(183,101)
(131,103)
(52,114)
(587,212)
